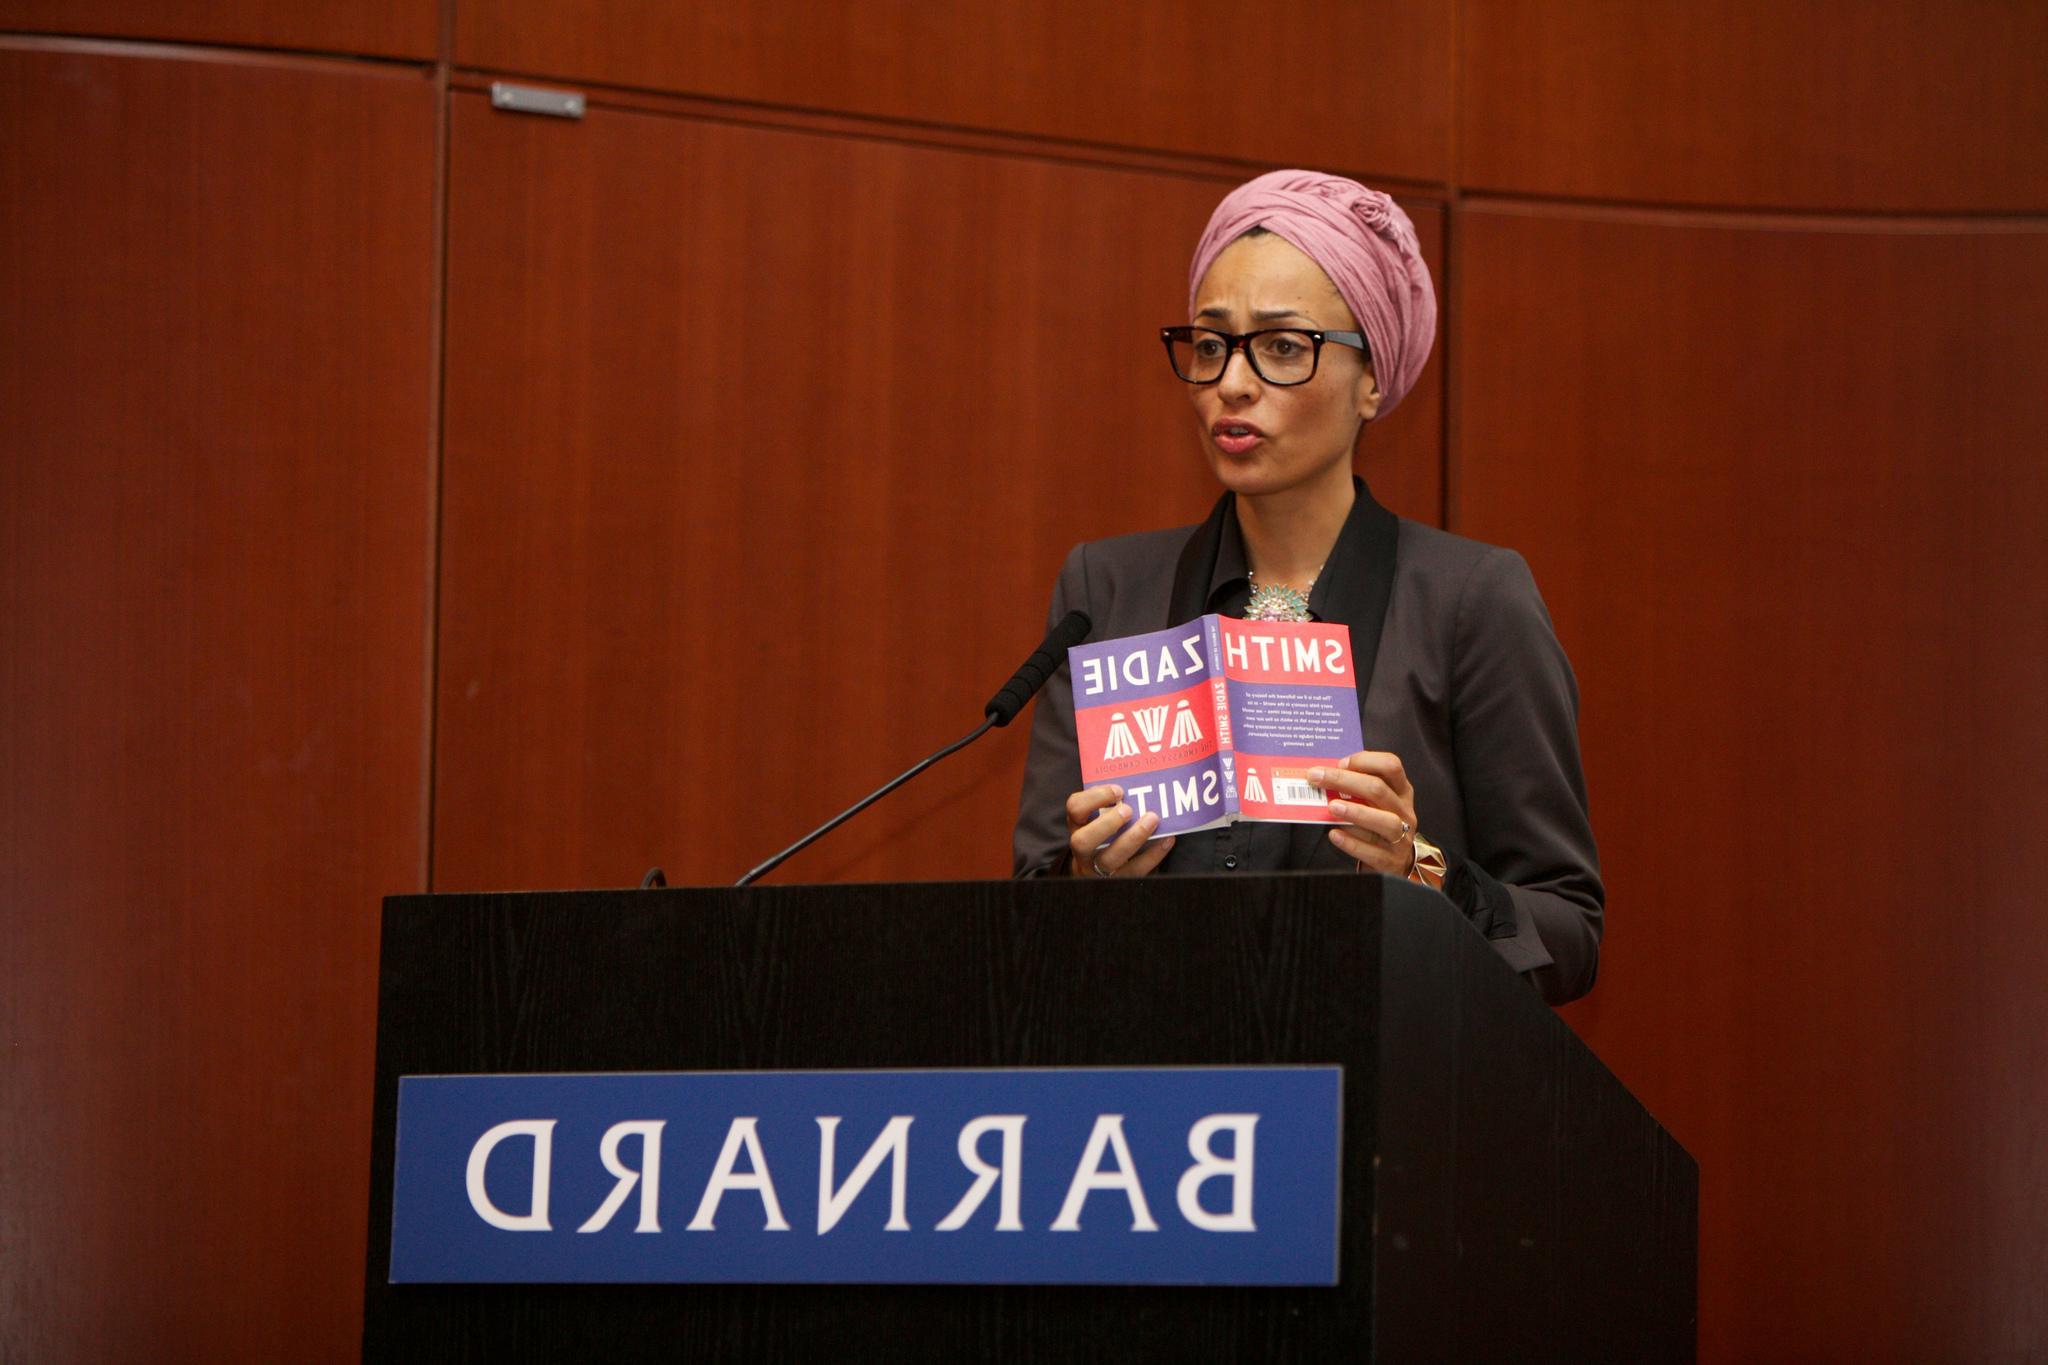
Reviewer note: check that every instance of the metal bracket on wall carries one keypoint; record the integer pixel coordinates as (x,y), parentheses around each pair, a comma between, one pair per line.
(531,99)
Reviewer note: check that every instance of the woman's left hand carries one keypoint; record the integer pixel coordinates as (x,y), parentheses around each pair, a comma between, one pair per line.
(1371,795)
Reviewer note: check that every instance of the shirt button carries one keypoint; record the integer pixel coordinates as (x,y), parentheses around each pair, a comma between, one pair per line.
(1230,862)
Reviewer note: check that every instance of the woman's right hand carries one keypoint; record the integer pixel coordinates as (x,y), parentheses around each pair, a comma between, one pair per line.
(1096,814)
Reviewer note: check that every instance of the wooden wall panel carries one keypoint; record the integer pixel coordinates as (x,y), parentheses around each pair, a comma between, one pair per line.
(376,28)
(764,447)
(1883,104)
(1783,491)
(214,477)
(1363,86)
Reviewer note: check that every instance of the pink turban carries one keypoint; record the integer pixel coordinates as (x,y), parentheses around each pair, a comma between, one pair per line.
(1363,242)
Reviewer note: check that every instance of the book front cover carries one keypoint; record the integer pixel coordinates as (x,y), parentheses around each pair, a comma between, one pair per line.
(1145,713)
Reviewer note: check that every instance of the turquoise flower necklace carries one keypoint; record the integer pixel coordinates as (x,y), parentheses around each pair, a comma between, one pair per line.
(1277,601)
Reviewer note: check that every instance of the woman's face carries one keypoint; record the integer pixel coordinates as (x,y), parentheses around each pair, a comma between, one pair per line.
(1265,438)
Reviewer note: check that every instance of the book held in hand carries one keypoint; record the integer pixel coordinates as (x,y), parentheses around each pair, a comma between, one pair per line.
(1218,720)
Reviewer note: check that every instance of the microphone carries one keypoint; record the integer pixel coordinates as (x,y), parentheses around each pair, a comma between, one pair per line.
(1002,708)
(1023,685)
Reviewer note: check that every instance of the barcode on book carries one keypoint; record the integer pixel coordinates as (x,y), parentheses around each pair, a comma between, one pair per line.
(1293,789)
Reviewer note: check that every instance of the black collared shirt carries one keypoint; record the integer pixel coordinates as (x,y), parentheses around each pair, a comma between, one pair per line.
(1353,587)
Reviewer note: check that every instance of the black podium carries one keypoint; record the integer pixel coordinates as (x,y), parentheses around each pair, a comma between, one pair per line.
(1504,1197)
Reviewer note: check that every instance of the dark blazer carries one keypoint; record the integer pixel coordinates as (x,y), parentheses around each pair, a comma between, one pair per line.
(1467,684)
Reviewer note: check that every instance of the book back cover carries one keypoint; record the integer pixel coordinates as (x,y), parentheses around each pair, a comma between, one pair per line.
(1293,706)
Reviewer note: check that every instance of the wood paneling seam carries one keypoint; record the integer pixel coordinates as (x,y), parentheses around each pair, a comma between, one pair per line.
(906,132)
(225,54)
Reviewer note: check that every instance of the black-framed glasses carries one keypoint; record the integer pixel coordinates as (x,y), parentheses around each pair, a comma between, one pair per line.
(1278,355)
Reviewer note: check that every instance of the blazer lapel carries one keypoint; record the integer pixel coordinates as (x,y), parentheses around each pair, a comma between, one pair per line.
(1355,587)
(1358,582)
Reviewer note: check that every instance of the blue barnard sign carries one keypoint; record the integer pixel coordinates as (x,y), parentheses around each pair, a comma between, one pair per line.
(1129,1176)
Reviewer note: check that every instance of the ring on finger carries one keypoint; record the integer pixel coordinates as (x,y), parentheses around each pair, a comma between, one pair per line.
(1095,865)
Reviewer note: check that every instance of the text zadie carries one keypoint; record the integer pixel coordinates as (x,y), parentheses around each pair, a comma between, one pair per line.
(892,1145)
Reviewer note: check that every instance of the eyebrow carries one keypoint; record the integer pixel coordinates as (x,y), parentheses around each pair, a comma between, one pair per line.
(1261,315)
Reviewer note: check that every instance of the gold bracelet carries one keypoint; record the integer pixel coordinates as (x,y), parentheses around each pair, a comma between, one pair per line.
(1426,863)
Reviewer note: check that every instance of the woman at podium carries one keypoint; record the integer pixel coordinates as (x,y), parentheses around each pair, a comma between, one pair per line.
(1310,315)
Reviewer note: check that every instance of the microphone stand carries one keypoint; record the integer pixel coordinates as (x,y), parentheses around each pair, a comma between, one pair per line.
(1002,708)
(836,821)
